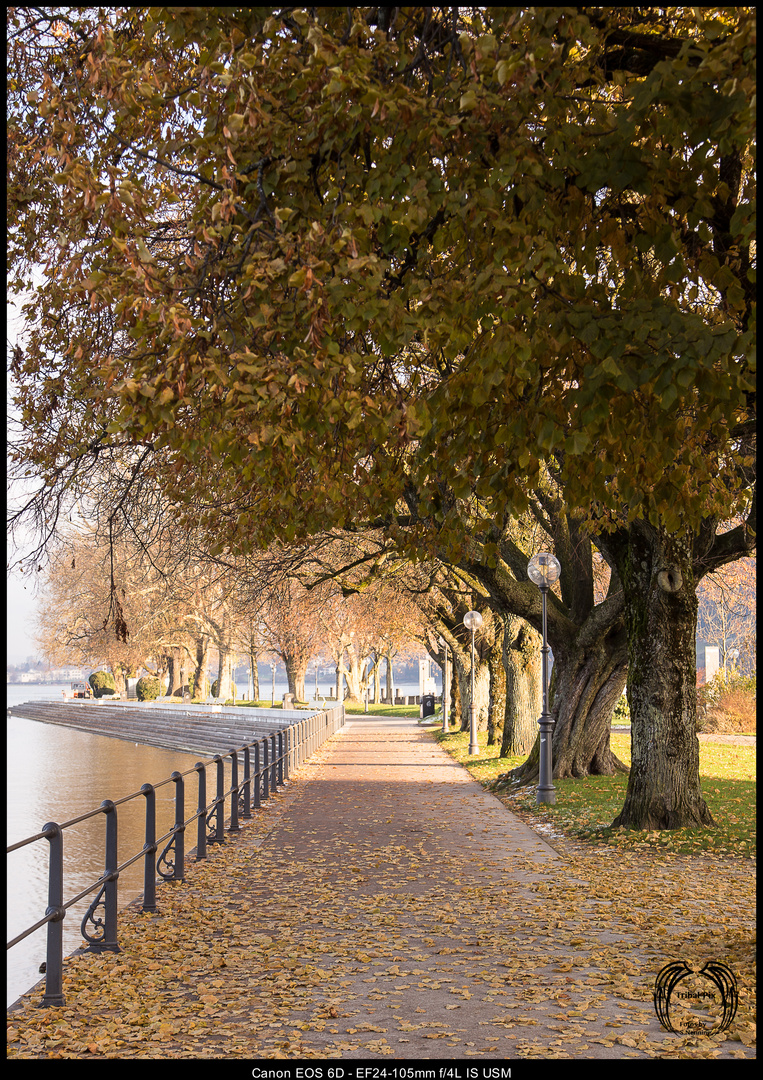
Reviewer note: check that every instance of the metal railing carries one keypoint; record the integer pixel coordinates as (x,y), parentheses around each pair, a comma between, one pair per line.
(267,764)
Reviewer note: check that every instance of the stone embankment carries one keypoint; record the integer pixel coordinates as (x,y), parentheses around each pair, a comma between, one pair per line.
(193,729)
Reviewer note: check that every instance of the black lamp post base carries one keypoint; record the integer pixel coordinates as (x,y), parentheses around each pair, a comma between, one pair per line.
(546,793)
(473,744)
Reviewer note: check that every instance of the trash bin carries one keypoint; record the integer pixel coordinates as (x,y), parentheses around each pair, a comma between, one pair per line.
(288,701)
(427,705)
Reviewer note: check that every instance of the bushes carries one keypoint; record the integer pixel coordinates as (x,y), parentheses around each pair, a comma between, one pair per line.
(621,716)
(102,684)
(148,688)
(727,704)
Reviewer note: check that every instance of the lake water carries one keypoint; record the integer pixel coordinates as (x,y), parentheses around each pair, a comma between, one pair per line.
(55,774)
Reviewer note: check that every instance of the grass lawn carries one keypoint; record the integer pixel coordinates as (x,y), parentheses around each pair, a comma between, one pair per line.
(382,710)
(350,710)
(586,807)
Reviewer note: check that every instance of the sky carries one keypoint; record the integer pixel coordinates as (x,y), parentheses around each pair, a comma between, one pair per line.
(20,599)
(21,609)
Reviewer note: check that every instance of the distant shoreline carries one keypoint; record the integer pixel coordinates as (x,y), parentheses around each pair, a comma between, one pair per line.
(44,682)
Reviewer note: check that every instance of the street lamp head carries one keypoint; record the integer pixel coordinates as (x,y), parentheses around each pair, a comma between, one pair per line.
(472,620)
(543,569)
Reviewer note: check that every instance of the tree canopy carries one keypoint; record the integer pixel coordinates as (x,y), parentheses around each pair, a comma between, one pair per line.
(414,269)
(360,255)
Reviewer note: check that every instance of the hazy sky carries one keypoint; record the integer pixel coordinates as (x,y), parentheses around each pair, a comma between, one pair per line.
(21,609)
(21,604)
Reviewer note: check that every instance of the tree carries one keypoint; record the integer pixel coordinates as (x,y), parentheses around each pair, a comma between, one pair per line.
(371,607)
(398,618)
(586,632)
(74,620)
(251,638)
(402,267)
(726,615)
(291,621)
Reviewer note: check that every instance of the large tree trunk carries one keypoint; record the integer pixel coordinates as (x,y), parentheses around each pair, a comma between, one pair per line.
(661,616)
(355,676)
(390,679)
(174,658)
(456,709)
(118,671)
(462,669)
(377,680)
(589,677)
(497,701)
(225,672)
(255,674)
(200,680)
(296,673)
(522,666)
(183,664)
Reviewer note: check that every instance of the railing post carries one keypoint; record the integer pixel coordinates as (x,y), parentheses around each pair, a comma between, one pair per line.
(179,874)
(257,802)
(107,895)
(281,747)
(287,753)
(54,960)
(265,769)
(149,875)
(247,812)
(273,765)
(112,862)
(201,821)
(234,825)
(220,800)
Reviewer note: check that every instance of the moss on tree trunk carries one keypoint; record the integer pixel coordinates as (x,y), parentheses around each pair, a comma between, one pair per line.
(521,663)
(661,616)
(497,699)
(588,678)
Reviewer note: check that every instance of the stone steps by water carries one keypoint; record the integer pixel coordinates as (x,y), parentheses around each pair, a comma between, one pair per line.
(194,729)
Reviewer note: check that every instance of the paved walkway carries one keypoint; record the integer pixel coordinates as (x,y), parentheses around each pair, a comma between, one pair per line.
(382,906)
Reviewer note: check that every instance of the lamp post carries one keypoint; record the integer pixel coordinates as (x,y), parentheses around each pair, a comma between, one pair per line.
(445,687)
(472,621)
(543,570)
(273,693)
